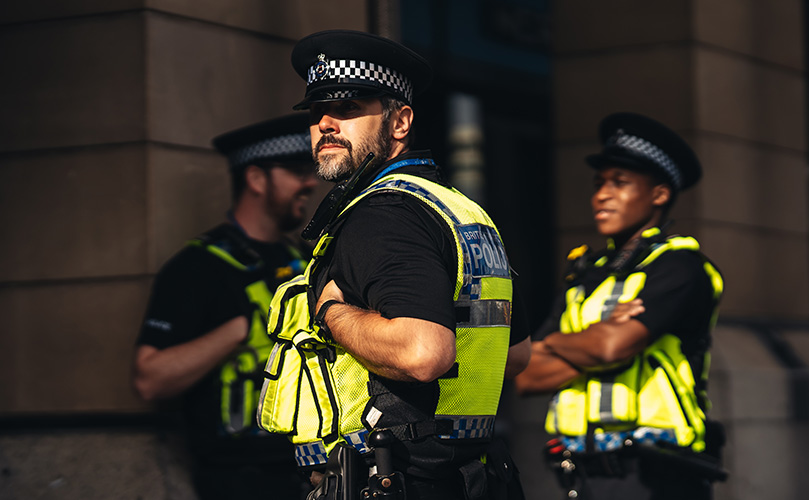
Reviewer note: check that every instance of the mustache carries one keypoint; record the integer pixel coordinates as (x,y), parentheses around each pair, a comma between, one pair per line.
(330,139)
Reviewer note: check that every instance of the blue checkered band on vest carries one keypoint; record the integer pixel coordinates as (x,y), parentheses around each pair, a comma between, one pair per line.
(345,70)
(608,441)
(646,149)
(466,427)
(314,453)
(469,427)
(276,147)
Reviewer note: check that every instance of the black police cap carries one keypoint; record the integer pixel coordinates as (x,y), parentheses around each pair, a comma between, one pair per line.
(344,64)
(641,143)
(281,139)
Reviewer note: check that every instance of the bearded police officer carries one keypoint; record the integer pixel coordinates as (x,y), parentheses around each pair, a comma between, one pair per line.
(409,294)
(204,335)
(626,347)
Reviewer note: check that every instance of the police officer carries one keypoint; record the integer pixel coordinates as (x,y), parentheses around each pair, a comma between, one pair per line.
(410,284)
(204,334)
(626,347)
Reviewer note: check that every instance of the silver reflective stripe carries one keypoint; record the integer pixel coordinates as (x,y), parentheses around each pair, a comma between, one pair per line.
(605,403)
(486,313)
(612,300)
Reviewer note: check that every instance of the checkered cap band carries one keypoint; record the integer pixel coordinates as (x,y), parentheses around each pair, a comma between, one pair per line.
(646,149)
(342,70)
(276,147)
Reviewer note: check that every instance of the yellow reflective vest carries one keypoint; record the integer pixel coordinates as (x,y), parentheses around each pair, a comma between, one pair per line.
(240,375)
(655,390)
(318,394)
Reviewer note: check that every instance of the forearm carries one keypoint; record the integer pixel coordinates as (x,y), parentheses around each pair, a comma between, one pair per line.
(545,372)
(519,356)
(164,373)
(407,349)
(600,344)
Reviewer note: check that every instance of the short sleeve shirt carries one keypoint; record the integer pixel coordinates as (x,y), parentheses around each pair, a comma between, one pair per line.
(677,297)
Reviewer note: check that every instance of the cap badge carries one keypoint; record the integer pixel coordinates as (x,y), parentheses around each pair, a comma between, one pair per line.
(321,67)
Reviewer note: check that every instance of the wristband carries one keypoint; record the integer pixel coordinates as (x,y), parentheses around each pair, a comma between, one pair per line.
(320,319)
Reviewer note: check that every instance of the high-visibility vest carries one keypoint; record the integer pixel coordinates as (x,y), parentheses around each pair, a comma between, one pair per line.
(318,394)
(240,375)
(656,389)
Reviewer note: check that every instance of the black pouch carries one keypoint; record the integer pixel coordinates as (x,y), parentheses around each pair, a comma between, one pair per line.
(343,477)
(502,475)
(714,439)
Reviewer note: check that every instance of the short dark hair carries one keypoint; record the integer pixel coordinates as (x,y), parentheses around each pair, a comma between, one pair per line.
(389,105)
(238,180)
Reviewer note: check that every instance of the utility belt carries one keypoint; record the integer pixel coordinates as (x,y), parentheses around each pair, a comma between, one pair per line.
(314,453)
(347,477)
(572,467)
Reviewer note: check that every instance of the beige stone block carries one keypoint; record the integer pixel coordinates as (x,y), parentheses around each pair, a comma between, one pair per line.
(653,81)
(290,20)
(73,82)
(749,184)
(766,272)
(74,213)
(580,25)
(189,192)
(739,97)
(772,31)
(71,346)
(17,11)
(204,79)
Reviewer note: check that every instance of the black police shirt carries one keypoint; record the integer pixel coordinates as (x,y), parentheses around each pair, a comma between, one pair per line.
(677,296)
(194,293)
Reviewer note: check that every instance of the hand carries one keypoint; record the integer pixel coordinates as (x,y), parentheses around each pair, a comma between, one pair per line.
(330,292)
(624,311)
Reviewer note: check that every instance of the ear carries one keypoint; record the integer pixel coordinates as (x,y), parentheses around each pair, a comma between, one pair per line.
(661,194)
(401,122)
(255,179)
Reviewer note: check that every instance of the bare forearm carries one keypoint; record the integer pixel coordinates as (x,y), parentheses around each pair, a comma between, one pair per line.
(406,349)
(164,373)
(518,357)
(546,371)
(600,344)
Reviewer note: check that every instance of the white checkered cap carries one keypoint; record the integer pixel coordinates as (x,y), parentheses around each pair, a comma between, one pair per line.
(268,149)
(345,70)
(649,151)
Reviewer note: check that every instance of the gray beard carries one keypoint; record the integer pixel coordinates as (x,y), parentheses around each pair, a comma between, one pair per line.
(335,168)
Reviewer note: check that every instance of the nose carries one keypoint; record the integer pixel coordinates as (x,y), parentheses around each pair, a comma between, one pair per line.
(327,124)
(602,193)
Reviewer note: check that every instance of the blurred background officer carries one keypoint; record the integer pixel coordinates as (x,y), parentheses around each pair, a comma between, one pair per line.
(626,346)
(204,333)
(414,288)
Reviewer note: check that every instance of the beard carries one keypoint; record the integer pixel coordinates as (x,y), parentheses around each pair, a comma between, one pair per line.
(340,166)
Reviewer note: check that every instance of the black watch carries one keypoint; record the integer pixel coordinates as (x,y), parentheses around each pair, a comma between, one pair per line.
(320,319)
